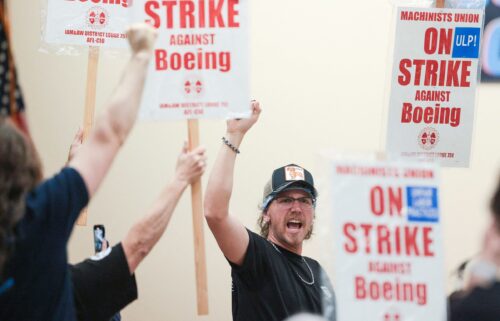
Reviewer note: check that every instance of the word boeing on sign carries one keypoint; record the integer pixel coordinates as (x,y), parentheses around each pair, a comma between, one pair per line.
(200,67)
(388,249)
(434,79)
(123,3)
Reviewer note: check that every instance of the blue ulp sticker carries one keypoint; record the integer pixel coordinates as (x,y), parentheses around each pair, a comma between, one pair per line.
(422,204)
(466,42)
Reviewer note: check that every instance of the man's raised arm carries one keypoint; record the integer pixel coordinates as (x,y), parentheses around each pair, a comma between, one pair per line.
(228,231)
(116,121)
(142,237)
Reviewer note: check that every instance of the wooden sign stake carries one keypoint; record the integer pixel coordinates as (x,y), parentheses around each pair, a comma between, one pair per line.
(199,240)
(88,117)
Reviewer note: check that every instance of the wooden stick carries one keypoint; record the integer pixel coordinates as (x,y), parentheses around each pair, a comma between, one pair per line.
(88,116)
(199,240)
(440,3)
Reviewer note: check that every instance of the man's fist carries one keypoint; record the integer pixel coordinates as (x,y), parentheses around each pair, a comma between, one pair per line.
(141,37)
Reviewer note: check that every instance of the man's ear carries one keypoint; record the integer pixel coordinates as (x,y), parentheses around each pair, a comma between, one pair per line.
(266,217)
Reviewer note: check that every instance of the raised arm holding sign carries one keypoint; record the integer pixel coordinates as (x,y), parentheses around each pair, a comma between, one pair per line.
(92,24)
(88,113)
(40,215)
(105,284)
(114,124)
(202,57)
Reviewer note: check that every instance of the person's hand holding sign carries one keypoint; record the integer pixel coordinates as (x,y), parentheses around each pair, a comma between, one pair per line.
(190,164)
(240,126)
(141,38)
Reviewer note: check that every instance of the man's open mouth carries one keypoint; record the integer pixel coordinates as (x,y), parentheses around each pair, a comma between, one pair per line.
(294,224)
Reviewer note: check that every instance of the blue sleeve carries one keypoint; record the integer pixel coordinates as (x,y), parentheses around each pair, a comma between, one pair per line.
(58,201)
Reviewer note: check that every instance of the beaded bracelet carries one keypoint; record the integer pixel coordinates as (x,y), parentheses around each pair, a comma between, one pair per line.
(228,144)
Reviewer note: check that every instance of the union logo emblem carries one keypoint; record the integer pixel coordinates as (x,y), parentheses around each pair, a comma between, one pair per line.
(428,138)
(193,87)
(97,18)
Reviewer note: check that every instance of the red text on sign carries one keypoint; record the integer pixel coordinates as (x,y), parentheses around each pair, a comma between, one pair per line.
(190,39)
(430,115)
(390,197)
(382,239)
(440,41)
(450,73)
(192,60)
(432,95)
(192,13)
(390,291)
(389,268)
(123,3)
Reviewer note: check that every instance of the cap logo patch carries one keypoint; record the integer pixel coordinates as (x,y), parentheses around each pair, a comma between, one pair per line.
(294,173)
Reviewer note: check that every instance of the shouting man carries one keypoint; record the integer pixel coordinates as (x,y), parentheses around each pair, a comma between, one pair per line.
(271,278)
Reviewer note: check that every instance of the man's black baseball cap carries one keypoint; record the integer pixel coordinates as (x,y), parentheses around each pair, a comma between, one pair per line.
(288,177)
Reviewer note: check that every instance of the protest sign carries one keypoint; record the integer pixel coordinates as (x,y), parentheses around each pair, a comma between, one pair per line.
(200,67)
(93,24)
(99,23)
(434,78)
(388,245)
(199,70)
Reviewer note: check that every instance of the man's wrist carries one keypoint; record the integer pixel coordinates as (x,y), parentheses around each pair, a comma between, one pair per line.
(230,145)
(143,56)
(234,138)
(235,134)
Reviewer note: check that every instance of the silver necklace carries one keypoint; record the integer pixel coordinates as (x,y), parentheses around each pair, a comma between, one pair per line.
(303,260)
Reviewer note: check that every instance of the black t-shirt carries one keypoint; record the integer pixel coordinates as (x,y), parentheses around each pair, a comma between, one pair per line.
(481,304)
(273,283)
(102,286)
(38,267)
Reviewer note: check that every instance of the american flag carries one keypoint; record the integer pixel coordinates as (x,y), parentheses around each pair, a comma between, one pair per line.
(11,100)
